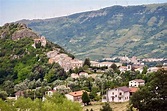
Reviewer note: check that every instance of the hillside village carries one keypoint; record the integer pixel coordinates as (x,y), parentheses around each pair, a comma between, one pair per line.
(123,64)
(34,68)
(106,80)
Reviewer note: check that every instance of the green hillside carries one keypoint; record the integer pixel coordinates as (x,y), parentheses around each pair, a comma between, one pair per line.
(19,60)
(117,30)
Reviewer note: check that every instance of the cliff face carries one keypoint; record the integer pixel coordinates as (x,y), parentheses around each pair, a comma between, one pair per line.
(24,33)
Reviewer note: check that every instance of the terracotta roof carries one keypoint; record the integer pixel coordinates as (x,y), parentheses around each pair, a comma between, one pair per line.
(77,93)
(124,89)
(139,80)
(133,89)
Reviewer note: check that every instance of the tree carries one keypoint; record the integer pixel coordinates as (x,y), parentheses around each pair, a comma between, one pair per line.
(106,107)
(144,70)
(85,98)
(152,97)
(3,95)
(4,106)
(114,67)
(87,62)
(55,103)
(8,86)
(56,72)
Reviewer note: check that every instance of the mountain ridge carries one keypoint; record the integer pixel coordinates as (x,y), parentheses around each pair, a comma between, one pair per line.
(118,30)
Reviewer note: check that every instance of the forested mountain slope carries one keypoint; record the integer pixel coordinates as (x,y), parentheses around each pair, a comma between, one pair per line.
(23,56)
(117,30)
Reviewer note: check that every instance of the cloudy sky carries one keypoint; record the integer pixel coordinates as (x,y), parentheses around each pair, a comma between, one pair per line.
(13,10)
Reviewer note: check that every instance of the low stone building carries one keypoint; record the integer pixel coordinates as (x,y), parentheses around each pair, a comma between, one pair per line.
(75,96)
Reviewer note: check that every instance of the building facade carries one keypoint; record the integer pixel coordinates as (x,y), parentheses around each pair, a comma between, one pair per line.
(120,94)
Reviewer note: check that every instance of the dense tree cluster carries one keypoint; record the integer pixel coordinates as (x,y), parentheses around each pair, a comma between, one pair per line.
(55,103)
(152,97)
(21,62)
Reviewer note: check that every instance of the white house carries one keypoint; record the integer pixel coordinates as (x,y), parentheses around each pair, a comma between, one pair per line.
(136,83)
(120,94)
(75,96)
(125,68)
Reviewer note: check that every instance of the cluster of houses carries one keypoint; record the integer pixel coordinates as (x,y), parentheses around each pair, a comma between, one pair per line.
(64,60)
(119,94)
(68,63)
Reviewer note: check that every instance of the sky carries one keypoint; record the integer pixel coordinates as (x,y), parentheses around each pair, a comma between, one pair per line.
(14,10)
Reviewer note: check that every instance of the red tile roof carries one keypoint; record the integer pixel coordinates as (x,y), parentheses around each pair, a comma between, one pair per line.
(133,89)
(77,93)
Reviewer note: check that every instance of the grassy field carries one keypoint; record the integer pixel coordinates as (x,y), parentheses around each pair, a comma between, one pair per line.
(115,106)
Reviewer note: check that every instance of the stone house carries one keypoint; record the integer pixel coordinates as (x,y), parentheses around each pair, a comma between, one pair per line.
(75,96)
(136,83)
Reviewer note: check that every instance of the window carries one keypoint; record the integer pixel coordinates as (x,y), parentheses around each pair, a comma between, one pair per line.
(112,93)
(119,98)
(120,93)
(115,95)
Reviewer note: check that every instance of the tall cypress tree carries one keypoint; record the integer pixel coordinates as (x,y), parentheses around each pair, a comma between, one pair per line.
(85,98)
(87,62)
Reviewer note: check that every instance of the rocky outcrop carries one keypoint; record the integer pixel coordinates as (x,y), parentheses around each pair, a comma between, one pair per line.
(24,33)
(16,31)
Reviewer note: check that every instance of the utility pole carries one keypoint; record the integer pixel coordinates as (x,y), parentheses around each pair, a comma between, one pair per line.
(102,88)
